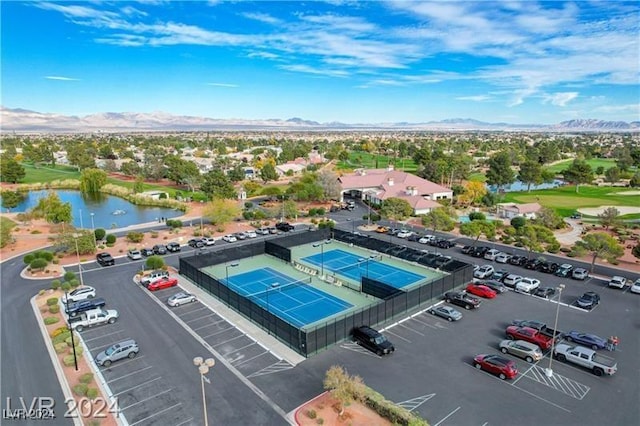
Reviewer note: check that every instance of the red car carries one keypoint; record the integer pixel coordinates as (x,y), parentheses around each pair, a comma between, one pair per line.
(481,290)
(496,364)
(164,282)
(530,335)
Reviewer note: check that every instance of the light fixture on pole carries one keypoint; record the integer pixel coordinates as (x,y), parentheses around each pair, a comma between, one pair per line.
(548,371)
(226,269)
(203,368)
(271,287)
(93,230)
(321,245)
(75,237)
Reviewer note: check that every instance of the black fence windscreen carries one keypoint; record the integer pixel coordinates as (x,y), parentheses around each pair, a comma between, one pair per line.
(378,288)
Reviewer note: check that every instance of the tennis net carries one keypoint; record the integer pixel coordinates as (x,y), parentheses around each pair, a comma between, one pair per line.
(360,263)
(280,287)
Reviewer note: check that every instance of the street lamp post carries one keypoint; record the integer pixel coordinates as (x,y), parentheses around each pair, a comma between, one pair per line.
(73,343)
(321,245)
(226,268)
(549,372)
(203,368)
(93,230)
(75,237)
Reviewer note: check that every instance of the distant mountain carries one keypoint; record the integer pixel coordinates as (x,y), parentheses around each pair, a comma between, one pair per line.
(25,121)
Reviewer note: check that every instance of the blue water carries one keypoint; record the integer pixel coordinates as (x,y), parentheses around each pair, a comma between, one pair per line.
(520,186)
(102,206)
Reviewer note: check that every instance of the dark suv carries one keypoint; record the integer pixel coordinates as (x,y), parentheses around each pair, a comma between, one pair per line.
(105,259)
(159,249)
(173,247)
(372,340)
(75,308)
(284,226)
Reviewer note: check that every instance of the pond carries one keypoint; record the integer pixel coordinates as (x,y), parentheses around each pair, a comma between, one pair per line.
(521,186)
(108,211)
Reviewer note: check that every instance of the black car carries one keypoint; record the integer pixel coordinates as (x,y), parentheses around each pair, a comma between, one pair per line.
(499,275)
(105,259)
(588,300)
(493,285)
(518,260)
(545,292)
(445,244)
(196,243)
(479,251)
(532,264)
(159,249)
(75,308)
(146,252)
(461,298)
(173,247)
(548,267)
(564,270)
(284,226)
(466,249)
(414,237)
(372,340)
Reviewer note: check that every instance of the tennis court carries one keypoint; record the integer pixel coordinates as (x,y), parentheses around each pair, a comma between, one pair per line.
(354,267)
(294,301)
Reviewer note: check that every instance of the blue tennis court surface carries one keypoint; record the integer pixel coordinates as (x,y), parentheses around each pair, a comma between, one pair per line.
(295,302)
(353,266)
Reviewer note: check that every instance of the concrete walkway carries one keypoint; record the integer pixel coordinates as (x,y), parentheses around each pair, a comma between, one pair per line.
(570,237)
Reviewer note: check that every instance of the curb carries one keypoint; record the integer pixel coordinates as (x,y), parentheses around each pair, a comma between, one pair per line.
(293,414)
(62,379)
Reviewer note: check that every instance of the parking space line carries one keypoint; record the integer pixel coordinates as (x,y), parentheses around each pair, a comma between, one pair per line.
(185,422)
(208,325)
(243,347)
(411,329)
(137,386)
(447,416)
(156,413)
(558,382)
(227,341)
(100,337)
(425,323)
(251,359)
(217,332)
(129,361)
(199,318)
(130,374)
(399,337)
(195,310)
(146,399)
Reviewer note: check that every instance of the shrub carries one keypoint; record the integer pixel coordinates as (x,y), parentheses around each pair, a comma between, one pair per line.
(28,258)
(74,283)
(62,337)
(55,261)
(99,233)
(38,264)
(320,420)
(41,292)
(58,331)
(155,262)
(174,223)
(36,231)
(248,215)
(65,286)
(154,234)
(477,216)
(51,320)
(135,237)
(54,309)
(46,255)
(60,348)
(311,413)
(79,350)
(68,276)
(86,378)
(80,389)
(68,360)
(92,393)
(52,301)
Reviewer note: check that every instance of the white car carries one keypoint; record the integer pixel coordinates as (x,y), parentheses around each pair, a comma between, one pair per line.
(250,234)
(134,254)
(426,239)
(491,254)
(527,285)
(181,298)
(404,234)
(81,293)
(209,241)
(511,280)
(635,287)
(485,271)
(503,258)
(617,282)
(230,238)
(262,231)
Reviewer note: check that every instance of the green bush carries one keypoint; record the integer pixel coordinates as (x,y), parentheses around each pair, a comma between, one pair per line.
(68,276)
(155,262)
(174,223)
(54,309)
(28,258)
(46,255)
(79,350)
(38,264)
(248,215)
(92,393)
(135,237)
(60,348)
(51,320)
(477,216)
(311,413)
(61,338)
(68,361)
(86,378)
(74,283)
(518,222)
(80,389)
(99,233)
(320,420)
(65,287)
(248,204)
(52,301)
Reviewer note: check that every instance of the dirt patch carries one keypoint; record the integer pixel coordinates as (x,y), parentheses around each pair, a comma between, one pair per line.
(324,407)
(594,211)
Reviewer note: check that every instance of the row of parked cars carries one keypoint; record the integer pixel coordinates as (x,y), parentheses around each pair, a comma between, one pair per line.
(431,240)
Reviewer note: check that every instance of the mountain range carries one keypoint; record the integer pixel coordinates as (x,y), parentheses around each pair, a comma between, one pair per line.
(26,121)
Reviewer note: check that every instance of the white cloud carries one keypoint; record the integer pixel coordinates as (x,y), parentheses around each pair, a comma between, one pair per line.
(262,17)
(560,98)
(475,98)
(131,11)
(633,109)
(317,71)
(262,54)
(60,78)
(222,85)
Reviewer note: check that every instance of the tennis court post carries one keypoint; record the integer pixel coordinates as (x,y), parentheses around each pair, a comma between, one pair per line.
(226,269)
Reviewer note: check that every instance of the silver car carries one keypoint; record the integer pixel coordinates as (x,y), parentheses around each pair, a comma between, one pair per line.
(125,349)
(181,298)
(525,350)
(134,254)
(580,274)
(446,312)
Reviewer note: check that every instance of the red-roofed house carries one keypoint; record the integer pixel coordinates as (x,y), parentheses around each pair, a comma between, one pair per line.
(376,185)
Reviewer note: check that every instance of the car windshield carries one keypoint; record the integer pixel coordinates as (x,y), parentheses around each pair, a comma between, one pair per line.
(110,350)
(380,339)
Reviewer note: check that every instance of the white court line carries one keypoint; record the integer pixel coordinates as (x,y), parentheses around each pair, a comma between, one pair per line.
(130,374)
(137,386)
(146,399)
(447,416)
(156,413)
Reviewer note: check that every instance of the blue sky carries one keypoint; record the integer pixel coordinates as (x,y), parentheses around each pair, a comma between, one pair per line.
(348,61)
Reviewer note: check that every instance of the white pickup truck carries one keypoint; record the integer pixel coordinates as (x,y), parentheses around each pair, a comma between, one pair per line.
(92,318)
(588,358)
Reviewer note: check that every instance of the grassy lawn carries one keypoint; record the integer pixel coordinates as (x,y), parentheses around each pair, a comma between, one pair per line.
(358,159)
(478,177)
(607,163)
(47,174)
(565,200)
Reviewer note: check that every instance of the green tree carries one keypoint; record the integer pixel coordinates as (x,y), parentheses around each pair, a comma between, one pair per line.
(91,180)
(222,211)
(535,238)
(475,229)
(86,244)
(131,168)
(306,188)
(530,173)
(154,262)
(236,174)
(268,173)
(182,172)
(328,181)
(52,209)
(216,185)
(289,209)
(579,172)
(273,192)
(636,250)
(11,199)
(635,180)
(396,209)
(550,218)
(599,245)
(342,386)
(518,222)
(612,174)
(500,172)
(438,220)
(10,170)
(610,217)
(6,226)
(138,185)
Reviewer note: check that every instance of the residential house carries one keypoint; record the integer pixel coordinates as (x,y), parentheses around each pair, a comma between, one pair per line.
(511,210)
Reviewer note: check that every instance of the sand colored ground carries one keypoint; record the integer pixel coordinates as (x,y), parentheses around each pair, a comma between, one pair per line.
(594,211)
(322,407)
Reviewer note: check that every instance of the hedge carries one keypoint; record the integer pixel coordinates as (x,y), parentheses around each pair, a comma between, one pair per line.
(80,389)
(135,237)
(54,309)
(60,348)
(38,264)
(68,361)
(61,338)
(58,331)
(51,320)
(55,284)
(86,378)
(52,301)
(92,393)
(111,239)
